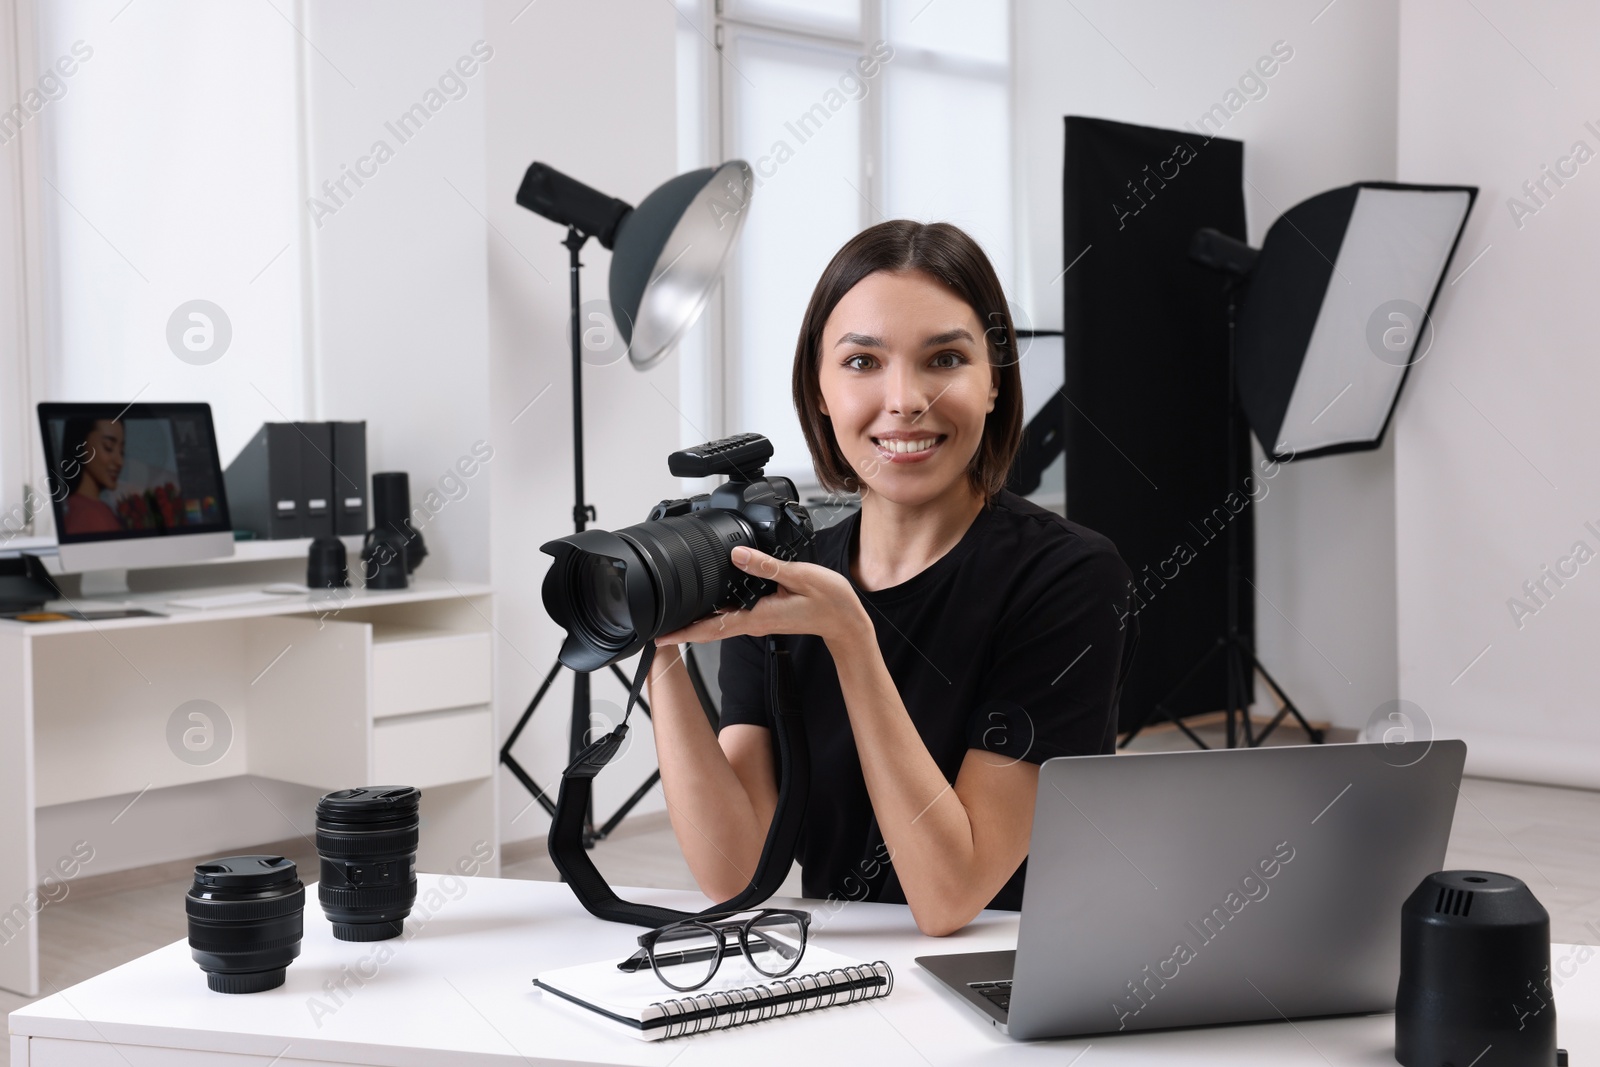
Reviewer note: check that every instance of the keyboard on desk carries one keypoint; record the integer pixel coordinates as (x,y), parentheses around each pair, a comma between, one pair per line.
(996,993)
(225,600)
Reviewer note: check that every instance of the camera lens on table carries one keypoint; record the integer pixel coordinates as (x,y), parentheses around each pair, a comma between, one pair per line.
(246,916)
(367,839)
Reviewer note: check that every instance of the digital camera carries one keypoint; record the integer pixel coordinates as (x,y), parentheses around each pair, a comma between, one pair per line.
(613,591)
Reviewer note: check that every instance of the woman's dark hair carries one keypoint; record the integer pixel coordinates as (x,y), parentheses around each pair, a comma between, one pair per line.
(75,450)
(947,254)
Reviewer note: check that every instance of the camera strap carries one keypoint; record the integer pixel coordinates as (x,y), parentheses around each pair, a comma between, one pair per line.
(794,785)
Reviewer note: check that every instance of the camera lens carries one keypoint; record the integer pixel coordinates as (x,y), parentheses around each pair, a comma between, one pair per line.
(612,592)
(602,595)
(367,839)
(246,917)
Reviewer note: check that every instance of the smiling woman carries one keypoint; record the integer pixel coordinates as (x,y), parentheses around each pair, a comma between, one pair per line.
(946,640)
(934,277)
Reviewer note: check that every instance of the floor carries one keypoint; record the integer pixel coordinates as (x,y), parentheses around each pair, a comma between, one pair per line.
(1547,836)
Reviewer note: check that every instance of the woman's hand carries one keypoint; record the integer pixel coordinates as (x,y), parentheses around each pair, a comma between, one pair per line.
(809,600)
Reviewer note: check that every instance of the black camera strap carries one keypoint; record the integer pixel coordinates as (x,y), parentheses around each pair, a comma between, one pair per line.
(794,786)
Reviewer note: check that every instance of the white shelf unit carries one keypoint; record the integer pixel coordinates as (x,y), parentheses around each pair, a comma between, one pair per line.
(380,688)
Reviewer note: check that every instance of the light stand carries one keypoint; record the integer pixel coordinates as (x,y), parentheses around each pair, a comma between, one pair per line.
(667,254)
(1240,660)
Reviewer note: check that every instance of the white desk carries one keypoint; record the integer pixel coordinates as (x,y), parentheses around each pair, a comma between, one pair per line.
(333,692)
(459,993)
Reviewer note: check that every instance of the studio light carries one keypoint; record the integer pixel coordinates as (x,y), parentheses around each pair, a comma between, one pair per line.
(1335,311)
(1324,321)
(667,255)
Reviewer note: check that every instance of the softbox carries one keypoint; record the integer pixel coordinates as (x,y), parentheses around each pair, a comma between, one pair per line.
(1336,309)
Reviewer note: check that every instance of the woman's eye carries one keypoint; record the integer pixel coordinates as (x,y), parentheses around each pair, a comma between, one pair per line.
(949,360)
(860,361)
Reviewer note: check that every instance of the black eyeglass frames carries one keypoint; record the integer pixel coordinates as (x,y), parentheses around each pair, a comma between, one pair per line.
(685,955)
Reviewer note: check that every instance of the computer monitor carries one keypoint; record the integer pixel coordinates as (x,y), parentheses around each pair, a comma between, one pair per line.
(134,485)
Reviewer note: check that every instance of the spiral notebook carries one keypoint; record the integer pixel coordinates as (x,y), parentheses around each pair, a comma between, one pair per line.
(638,1004)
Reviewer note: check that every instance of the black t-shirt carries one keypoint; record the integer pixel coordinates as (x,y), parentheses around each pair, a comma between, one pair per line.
(1012,642)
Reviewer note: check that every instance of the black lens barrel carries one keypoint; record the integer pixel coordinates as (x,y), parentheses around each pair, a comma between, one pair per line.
(246,920)
(367,841)
(688,558)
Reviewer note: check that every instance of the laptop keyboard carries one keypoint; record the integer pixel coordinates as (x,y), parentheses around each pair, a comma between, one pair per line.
(996,993)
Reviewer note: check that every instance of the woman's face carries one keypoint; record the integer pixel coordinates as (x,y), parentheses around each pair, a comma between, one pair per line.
(905,378)
(104,463)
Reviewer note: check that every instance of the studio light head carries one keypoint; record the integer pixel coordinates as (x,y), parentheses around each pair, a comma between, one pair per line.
(1219,252)
(568,202)
(667,253)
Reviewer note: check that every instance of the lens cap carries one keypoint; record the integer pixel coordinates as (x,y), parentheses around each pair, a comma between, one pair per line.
(371,803)
(246,873)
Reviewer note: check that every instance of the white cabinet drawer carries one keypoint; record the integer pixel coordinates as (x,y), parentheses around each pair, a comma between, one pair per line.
(425,671)
(434,748)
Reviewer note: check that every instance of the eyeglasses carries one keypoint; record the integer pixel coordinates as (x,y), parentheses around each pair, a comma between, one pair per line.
(685,955)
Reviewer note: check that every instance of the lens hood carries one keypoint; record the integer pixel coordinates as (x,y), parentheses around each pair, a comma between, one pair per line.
(584,649)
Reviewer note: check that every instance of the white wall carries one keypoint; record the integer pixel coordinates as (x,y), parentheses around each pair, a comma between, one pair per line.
(1325,536)
(1495,454)
(398,269)
(606,116)
(396,310)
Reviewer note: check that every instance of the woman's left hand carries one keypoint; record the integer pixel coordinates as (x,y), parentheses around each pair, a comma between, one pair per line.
(809,600)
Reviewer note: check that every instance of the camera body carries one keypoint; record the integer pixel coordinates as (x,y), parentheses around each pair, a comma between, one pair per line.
(771,506)
(614,591)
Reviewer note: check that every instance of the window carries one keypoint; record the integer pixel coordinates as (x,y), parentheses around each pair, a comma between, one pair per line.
(850,112)
(947,120)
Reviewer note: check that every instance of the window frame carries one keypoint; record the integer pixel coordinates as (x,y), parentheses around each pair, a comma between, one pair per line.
(21,289)
(720,378)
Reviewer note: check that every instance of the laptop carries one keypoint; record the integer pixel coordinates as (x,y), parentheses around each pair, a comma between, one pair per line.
(1174,889)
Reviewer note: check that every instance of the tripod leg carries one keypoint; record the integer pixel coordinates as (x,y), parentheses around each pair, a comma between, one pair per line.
(510,761)
(1161,705)
(1163,711)
(1245,687)
(627,806)
(638,794)
(516,731)
(1317,736)
(1180,724)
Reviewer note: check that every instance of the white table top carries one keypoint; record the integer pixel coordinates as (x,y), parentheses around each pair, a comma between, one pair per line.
(458,992)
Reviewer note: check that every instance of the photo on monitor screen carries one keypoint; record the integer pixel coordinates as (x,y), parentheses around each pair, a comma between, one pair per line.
(132,470)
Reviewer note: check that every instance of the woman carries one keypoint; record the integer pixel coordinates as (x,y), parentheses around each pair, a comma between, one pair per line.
(949,637)
(94,447)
